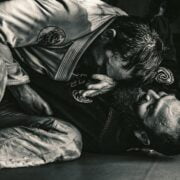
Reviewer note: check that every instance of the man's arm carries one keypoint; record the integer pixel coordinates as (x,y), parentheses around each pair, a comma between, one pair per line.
(29,100)
(17,81)
(16,31)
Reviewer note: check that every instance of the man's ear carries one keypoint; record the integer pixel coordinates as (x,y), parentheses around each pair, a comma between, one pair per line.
(164,76)
(142,136)
(108,34)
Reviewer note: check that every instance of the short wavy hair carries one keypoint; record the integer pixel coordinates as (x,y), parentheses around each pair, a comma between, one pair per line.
(139,45)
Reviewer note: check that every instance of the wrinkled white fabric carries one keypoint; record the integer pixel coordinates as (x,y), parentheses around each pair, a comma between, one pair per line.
(43,141)
(50,36)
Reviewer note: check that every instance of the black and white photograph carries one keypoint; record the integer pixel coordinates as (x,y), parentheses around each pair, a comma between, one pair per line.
(89,90)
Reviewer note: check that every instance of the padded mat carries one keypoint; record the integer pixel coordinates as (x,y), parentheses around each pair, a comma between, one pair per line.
(102,167)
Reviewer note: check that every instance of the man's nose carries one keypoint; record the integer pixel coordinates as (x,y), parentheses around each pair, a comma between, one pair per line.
(151,94)
(109,53)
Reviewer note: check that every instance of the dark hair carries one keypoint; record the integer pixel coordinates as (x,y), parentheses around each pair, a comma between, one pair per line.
(171,8)
(125,98)
(139,45)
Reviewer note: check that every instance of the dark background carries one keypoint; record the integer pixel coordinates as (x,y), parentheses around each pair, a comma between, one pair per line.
(142,8)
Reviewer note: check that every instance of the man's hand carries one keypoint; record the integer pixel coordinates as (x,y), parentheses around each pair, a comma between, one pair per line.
(29,100)
(104,85)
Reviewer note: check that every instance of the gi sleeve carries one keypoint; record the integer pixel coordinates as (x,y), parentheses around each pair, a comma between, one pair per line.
(11,26)
(15,74)
(21,23)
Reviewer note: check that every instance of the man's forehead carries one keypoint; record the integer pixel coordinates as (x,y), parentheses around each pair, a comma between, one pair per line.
(168,99)
(164,104)
(168,106)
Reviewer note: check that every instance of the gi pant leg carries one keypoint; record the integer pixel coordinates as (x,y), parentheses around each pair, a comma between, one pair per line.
(32,140)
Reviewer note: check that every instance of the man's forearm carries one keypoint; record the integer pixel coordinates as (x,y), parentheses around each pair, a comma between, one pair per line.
(29,100)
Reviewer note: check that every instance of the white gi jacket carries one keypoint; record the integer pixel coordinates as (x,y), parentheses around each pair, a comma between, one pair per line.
(50,36)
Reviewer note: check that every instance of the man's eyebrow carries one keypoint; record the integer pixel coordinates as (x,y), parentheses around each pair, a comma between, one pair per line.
(140,99)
